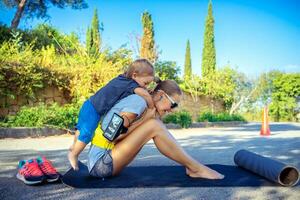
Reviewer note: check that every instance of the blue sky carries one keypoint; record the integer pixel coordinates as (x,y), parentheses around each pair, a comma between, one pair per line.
(253,35)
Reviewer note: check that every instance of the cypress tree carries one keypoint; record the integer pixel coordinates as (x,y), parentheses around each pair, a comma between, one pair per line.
(209,51)
(88,40)
(188,62)
(147,43)
(93,38)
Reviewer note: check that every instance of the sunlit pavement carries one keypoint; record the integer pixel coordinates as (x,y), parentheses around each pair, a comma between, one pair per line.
(208,145)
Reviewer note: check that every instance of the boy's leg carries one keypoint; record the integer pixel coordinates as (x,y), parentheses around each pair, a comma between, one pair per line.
(88,121)
(74,141)
(77,148)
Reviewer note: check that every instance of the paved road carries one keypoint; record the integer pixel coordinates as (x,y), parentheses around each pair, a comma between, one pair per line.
(208,145)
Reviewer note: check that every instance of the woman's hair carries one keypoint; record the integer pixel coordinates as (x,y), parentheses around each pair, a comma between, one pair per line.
(168,86)
(141,67)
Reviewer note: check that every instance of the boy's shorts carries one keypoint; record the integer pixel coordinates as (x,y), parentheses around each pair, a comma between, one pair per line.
(88,121)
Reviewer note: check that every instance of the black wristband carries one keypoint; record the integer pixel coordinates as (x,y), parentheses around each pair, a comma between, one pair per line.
(124,130)
(127,119)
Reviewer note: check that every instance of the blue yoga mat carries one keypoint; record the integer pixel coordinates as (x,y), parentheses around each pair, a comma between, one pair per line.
(164,176)
(271,169)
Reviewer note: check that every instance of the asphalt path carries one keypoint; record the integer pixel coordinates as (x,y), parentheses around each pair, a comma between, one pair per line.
(208,145)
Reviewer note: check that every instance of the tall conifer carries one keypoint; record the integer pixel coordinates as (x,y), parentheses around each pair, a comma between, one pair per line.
(93,38)
(188,62)
(88,41)
(209,51)
(147,43)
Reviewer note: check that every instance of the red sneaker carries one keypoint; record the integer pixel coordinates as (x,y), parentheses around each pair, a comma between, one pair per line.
(29,172)
(48,169)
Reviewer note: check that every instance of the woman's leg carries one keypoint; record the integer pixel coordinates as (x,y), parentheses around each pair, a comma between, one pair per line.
(124,151)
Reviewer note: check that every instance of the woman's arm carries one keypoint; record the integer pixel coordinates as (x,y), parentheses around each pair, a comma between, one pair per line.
(148,114)
(131,122)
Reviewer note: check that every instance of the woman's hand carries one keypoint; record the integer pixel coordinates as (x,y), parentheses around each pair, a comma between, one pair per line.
(150,113)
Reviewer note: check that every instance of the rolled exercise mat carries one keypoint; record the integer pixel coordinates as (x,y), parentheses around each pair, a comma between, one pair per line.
(270,169)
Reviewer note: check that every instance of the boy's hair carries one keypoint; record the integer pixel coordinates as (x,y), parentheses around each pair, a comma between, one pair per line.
(168,86)
(141,67)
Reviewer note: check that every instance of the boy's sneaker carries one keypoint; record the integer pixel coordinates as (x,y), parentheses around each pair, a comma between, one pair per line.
(48,169)
(29,172)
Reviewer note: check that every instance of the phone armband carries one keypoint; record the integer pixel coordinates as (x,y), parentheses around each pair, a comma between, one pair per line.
(115,127)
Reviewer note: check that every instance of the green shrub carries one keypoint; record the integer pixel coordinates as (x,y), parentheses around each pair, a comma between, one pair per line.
(218,117)
(25,70)
(183,118)
(43,115)
(206,117)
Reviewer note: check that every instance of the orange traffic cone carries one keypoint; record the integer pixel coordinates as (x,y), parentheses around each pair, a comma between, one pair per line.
(265,129)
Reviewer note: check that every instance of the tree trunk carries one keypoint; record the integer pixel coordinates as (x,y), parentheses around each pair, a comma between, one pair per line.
(235,106)
(212,106)
(15,22)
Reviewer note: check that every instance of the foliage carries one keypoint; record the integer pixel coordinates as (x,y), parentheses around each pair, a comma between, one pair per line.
(285,91)
(219,117)
(183,118)
(148,48)
(5,33)
(45,35)
(38,9)
(24,69)
(93,38)
(43,115)
(167,70)
(20,73)
(221,84)
(42,36)
(193,86)
(209,51)
(188,62)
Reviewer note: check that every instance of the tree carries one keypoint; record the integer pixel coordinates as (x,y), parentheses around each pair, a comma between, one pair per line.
(167,70)
(220,85)
(148,49)
(93,38)
(188,62)
(38,9)
(285,92)
(209,52)
(44,35)
(89,41)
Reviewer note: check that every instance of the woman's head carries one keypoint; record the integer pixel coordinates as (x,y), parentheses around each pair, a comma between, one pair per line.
(166,96)
(142,71)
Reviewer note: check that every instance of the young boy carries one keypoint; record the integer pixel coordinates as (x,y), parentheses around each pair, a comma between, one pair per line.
(134,81)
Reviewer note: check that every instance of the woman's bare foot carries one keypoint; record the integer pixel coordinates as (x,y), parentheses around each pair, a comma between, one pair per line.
(73,159)
(204,172)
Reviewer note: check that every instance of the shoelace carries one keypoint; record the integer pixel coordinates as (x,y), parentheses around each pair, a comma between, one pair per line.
(32,169)
(48,167)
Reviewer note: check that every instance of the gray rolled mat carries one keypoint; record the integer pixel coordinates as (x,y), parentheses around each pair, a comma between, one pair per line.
(270,169)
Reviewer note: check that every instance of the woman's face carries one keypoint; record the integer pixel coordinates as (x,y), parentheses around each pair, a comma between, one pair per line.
(166,103)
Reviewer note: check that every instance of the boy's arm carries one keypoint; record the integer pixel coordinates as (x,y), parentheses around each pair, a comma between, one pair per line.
(145,94)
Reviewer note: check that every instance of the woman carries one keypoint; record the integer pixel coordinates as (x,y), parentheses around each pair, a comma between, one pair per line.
(108,159)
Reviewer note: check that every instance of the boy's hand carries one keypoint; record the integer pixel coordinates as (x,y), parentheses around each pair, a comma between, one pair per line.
(144,93)
(150,103)
(150,113)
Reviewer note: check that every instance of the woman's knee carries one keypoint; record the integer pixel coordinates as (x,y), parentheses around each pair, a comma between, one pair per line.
(155,125)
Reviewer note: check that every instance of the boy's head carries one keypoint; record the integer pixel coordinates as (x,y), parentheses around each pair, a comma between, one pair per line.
(142,71)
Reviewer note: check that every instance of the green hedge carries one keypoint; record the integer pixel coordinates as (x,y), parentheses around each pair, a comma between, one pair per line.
(183,118)
(218,117)
(43,115)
